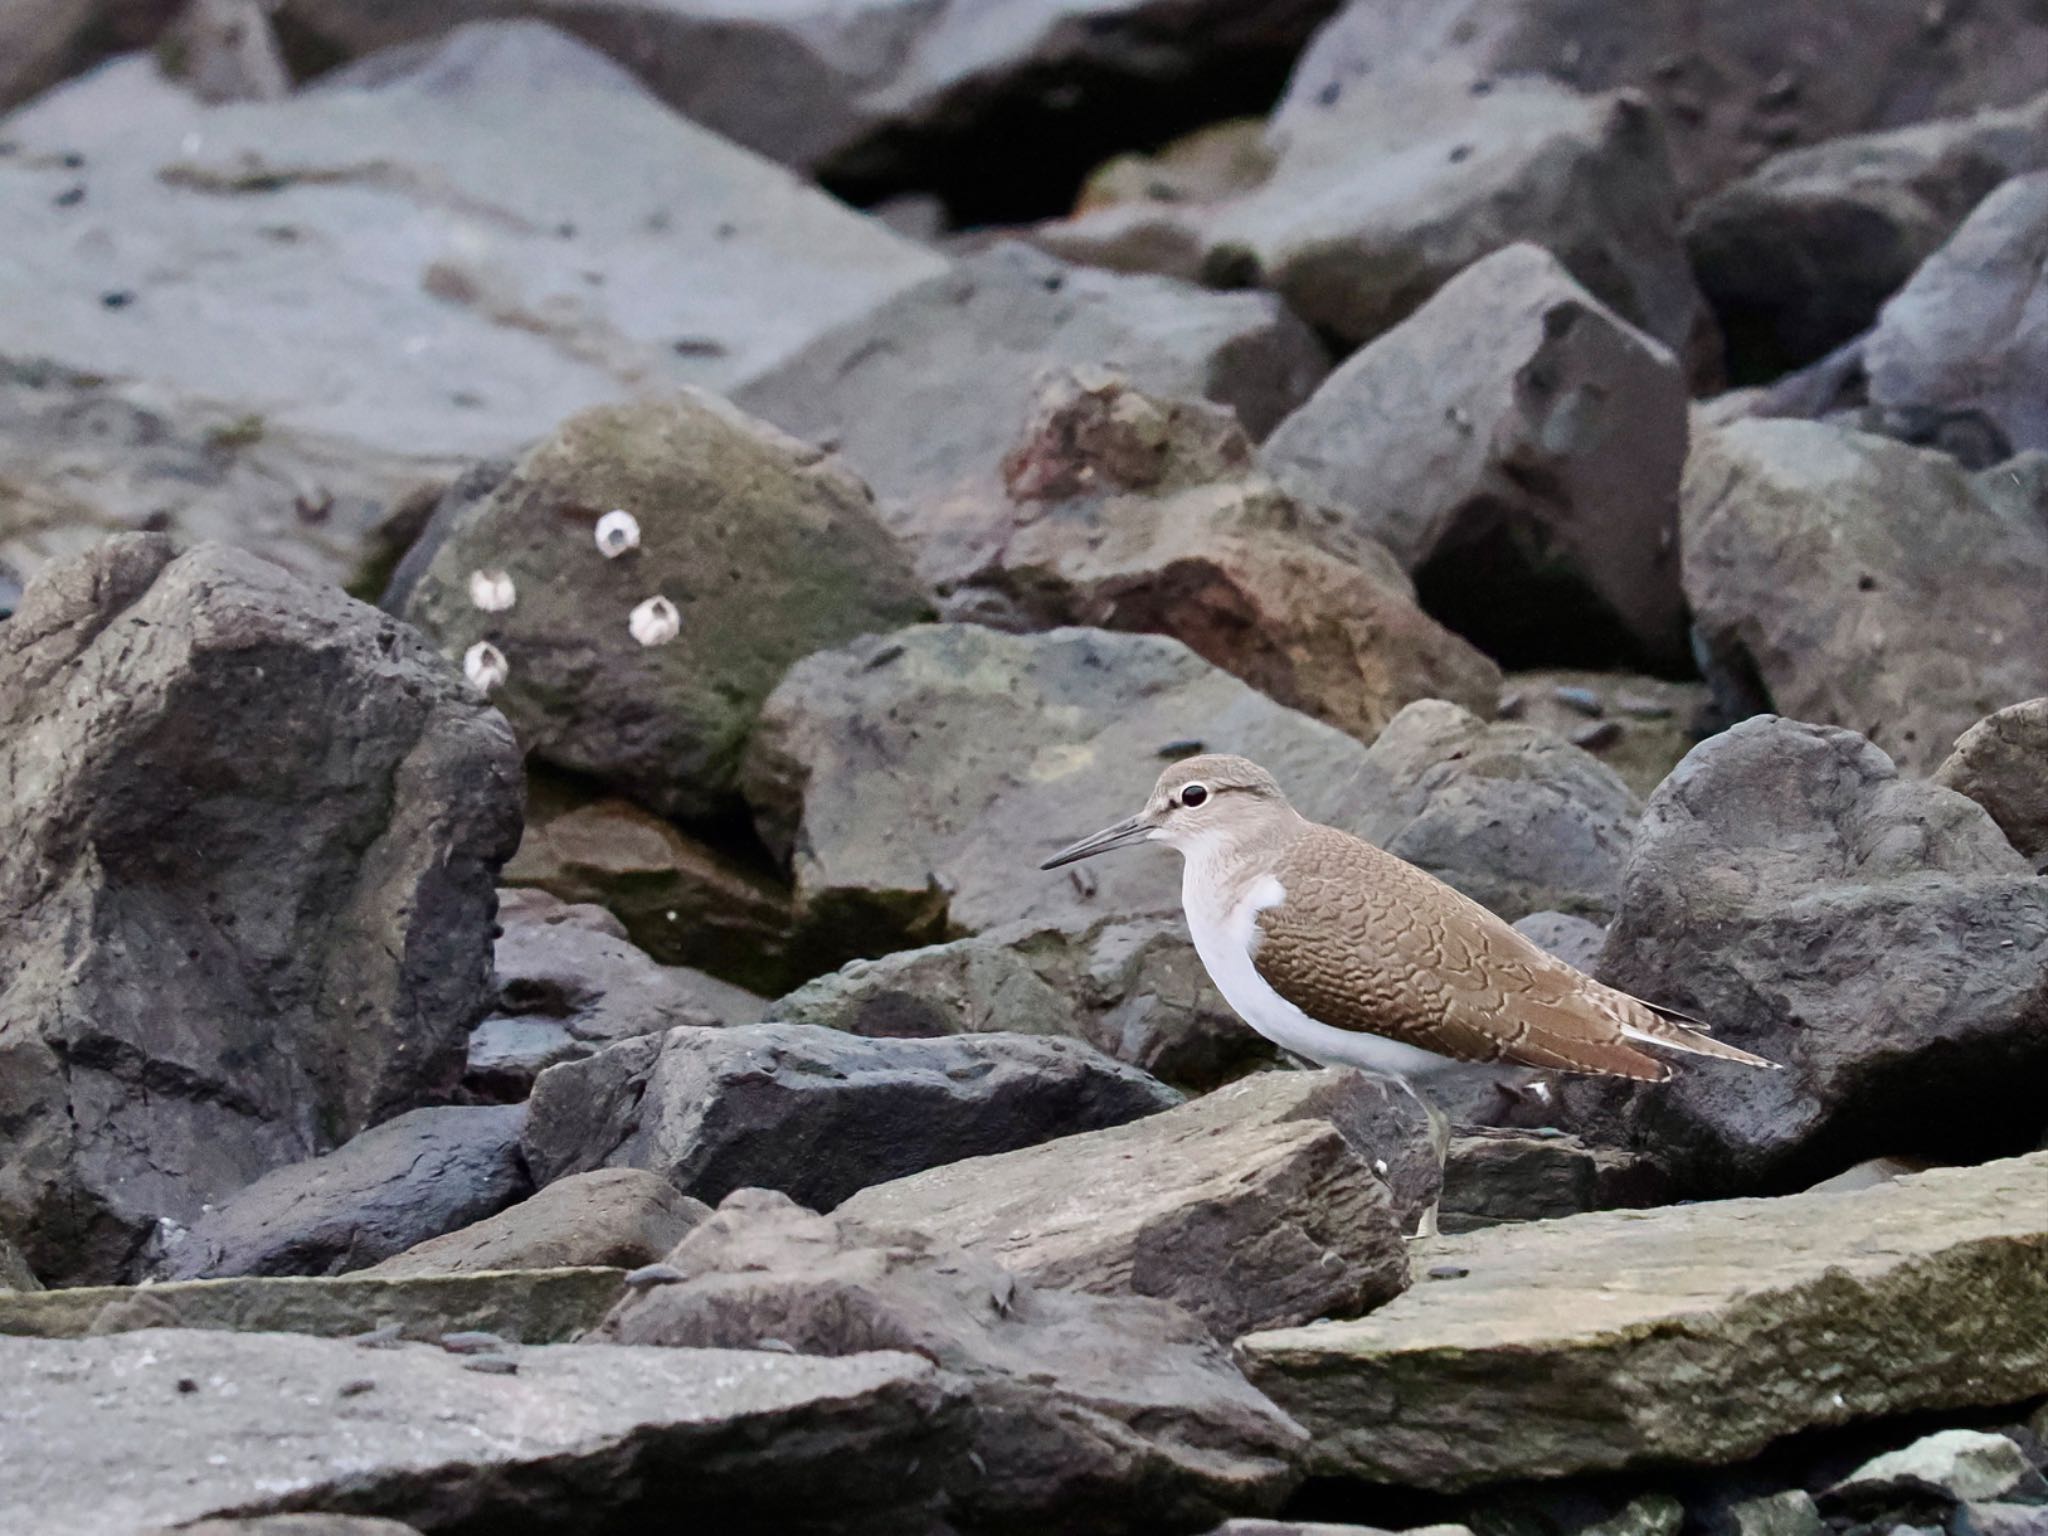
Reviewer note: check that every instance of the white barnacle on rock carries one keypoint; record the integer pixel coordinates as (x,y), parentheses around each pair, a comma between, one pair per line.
(485,666)
(617,531)
(655,622)
(492,591)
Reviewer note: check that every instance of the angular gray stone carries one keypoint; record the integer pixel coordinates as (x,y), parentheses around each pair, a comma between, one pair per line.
(396,1185)
(1858,582)
(1259,1202)
(926,394)
(1518,446)
(1498,1174)
(1799,256)
(815,1113)
(621,1218)
(1130,512)
(569,983)
(1969,1466)
(766,551)
(15,1275)
(1096,1413)
(1790,1513)
(1968,335)
(84,456)
(247,876)
(1733,82)
(1134,989)
(580,1438)
(547,236)
(1655,721)
(1538,1362)
(1514,817)
(1873,933)
(534,1306)
(2001,762)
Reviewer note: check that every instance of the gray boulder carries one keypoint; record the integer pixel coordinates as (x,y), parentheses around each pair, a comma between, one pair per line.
(763,551)
(622,1218)
(1128,512)
(43,41)
(1519,820)
(1849,580)
(1498,1174)
(569,983)
(1798,256)
(1098,1413)
(925,394)
(1963,1466)
(816,1113)
(1528,1359)
(1733,82)
(679,899)
(247,876)
(525,230)
(1873,933)
(569,1437)
(396,1185)
(2001,762)
(1134,989)
(1517,446)
(1281,1197)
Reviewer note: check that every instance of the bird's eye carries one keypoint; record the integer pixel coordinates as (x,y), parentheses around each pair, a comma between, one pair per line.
(1193,796)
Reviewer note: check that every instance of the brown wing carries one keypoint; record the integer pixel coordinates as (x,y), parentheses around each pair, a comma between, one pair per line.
(1409,958)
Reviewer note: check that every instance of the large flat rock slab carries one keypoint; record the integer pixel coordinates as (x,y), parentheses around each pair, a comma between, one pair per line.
(576,1438)
(1687,1334)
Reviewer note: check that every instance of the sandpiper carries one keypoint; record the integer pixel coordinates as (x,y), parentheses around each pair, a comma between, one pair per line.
(1340,952)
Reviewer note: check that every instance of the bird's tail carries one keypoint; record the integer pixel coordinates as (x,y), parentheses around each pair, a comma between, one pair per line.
(1653,1024)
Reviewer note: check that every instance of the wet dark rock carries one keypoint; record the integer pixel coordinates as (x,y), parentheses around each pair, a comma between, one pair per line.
(248,886)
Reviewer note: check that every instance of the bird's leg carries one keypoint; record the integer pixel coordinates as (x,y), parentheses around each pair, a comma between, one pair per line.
(1440,1143)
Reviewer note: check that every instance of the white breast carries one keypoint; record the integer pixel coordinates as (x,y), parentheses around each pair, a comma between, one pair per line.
(1226,937)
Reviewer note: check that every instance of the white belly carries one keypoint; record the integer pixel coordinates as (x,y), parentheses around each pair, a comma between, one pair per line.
(1226,939)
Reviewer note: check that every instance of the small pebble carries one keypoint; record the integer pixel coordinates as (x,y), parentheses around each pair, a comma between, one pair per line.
(1643,707)
(654,1274)
(485,666)
(883,656)
(1596,734)
(1447,1272)
(357,1387)
(187,1385)
(474,1342)
(386,1337)
(492,1365)
(654,622)
(617,531)
(70,197)
(780,1346)
(492,591)
(1186,747)
(116,298)
(1584,700)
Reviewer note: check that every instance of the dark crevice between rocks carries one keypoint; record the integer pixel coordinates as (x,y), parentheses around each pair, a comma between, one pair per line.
(1023,156)
(1812,1460)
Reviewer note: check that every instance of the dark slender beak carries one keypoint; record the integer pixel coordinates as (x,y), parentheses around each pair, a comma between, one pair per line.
(1122,835)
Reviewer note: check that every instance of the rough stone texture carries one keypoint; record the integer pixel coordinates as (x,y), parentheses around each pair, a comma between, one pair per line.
(1096,1413)
(582,1438)
(42,41)
(83,457)
(1573,940)
(1212,163)
(2001,762)
(681,901)
(225,50)
(1248,1206)
(1518,447)
(1638,726)
(1824,569)
(1874,933)
(1135,989)
(400,1183)
(15,1275)
(621,1218)
(1966,1465)
(540,1306)
(465,189)
(570,984)
(1514,817)
(816,1113)
(1968,335)
(247,876)
(1693,1333)
(925,394)
(1127,512)
(999,99)
(915,781)
(1733,80)
(1495,1175)
(768,552)
(1798,256)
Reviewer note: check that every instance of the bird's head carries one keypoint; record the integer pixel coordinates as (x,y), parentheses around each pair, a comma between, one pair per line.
(1199,802)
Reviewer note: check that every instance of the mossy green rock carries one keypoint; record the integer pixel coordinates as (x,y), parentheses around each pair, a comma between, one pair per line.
(1696,1333)
(768,550)
(526,1306)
